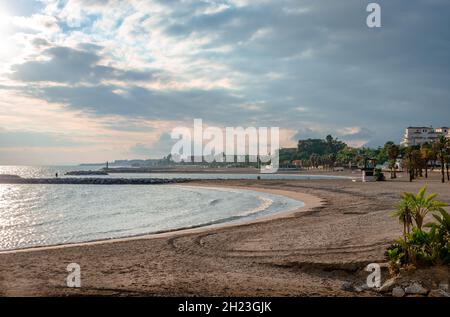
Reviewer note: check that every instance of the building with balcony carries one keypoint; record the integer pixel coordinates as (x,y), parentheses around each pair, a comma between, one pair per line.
(421,135)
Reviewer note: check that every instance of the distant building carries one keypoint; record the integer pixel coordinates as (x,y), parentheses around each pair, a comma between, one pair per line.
(421,135)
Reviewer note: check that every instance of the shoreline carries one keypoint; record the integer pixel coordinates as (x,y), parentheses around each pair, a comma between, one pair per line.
(312,253)
(95,180)
(310,202)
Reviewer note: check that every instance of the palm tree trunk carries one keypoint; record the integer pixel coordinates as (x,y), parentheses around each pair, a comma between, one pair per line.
(404,230)
(442,168)
(426,172)
(419,223)
(407,223)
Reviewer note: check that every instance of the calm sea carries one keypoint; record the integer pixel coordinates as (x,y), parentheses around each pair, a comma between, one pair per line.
(40,215)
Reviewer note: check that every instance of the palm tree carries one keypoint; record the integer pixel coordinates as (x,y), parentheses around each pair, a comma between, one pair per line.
(331,158)
(443,220)
(412,162)
(314,160)
(392,151)
(413,209)
(427,155)
(403,212)
(417,162)
(447,162)
(421,205)
(442,146)
(408,163)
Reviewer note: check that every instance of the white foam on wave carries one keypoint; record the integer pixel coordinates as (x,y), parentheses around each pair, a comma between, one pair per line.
(265,204)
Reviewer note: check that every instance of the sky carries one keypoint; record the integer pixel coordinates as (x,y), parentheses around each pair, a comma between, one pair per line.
(97,80)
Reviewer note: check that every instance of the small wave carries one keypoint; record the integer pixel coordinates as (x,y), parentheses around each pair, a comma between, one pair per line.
(265,201)
(265,204)
(214,202)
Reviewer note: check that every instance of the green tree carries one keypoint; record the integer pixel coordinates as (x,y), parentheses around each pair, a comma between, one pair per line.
(404,213)
(393,151)
(427,154)
(347,156)
(447,161)
(305,148)
(442,146)
(410,161)
(314,160)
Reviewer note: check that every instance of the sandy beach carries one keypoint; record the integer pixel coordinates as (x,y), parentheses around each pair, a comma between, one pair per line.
(312,251)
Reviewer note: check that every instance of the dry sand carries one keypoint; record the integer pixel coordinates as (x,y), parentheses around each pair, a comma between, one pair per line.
(308,252)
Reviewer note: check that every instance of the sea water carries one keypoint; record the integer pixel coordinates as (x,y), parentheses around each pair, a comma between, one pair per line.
(40,215)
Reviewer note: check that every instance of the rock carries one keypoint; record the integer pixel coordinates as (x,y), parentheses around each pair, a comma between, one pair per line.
(416,288)
(398,292)
(348,286)
(444,287)
(89,181)
(361,288)
(388,286)
(83,173)
(8,176)
(438,293)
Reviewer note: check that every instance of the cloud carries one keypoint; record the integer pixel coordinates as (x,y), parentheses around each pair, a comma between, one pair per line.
(303,65)
(355,133)
(120,124)
(22,7)
(40,42)
(17,139)
(307,133)
(37,23)
(356,136)
(161,148)
(139,102)
(353,136)
(68,65)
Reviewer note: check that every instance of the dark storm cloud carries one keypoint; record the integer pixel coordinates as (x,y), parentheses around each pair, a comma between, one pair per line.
(307,133)
(362,134)
(344,72)
(145,103)
(68,65)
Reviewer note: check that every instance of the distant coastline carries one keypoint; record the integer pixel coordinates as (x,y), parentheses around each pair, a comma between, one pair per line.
(14,179)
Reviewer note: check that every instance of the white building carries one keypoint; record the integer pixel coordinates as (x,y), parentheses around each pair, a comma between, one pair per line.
(421,135)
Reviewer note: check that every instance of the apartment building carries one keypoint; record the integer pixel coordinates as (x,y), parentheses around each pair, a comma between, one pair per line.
(421,135)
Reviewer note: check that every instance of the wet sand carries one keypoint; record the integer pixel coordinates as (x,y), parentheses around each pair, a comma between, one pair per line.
(308,252)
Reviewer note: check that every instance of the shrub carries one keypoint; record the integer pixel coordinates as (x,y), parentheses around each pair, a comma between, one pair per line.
(418,246)
(379,176)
